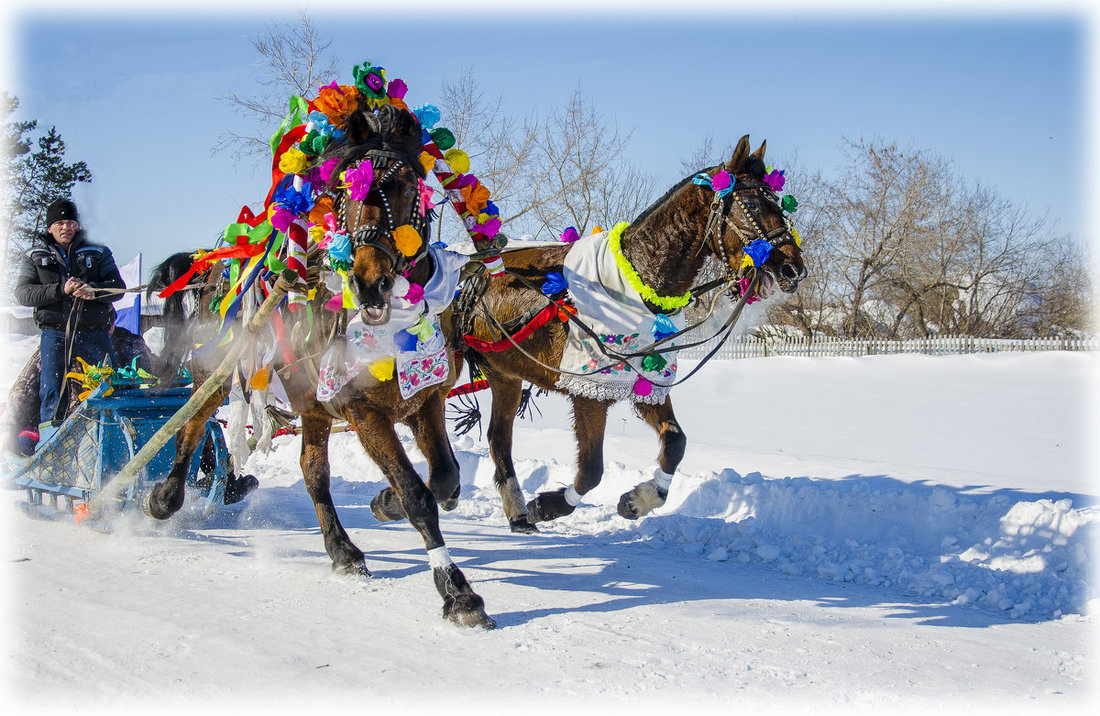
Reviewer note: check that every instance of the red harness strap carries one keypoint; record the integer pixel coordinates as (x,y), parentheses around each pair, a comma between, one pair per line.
(556,309)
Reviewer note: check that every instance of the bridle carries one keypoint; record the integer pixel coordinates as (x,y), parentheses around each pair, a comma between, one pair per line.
(377,235)
(722,216)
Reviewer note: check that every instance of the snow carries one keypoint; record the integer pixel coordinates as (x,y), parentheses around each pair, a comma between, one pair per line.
(885,534)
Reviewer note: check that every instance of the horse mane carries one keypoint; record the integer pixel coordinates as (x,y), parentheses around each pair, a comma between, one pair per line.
(754,167)
(176,312)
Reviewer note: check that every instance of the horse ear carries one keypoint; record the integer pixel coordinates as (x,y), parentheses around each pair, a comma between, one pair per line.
(740,156)
(358,130)
(406,124)
(759,153)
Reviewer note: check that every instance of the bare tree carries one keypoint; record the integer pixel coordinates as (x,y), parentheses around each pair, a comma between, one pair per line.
(294,61)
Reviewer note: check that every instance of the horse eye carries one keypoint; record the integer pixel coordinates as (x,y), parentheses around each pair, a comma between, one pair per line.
(751,205)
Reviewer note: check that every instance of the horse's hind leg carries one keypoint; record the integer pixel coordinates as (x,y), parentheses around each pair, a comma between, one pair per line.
(507,393)
(651,494)
(590,423)
(460,603)
(430,430)
(166,498)
(346,557)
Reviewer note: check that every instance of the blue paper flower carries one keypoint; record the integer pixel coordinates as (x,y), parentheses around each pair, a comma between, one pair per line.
(758,251)
(405,341)
(339,249)
(296,202)
(427,115)
(555,283)
(663,326)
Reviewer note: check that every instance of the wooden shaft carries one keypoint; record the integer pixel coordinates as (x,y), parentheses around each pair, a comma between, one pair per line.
(111,491)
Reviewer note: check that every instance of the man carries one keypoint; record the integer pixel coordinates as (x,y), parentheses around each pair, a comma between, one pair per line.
(62,277)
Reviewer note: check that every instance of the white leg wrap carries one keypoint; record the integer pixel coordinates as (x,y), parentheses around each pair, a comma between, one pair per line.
(572,496)
(661,479)
(439,558)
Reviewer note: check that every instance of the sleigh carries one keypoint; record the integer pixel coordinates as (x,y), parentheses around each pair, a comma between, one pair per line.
(104,433)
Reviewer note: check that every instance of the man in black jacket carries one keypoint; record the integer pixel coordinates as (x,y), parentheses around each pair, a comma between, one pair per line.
(61,277)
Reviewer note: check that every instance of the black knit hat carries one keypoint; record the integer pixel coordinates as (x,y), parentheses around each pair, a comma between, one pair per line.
(60,210)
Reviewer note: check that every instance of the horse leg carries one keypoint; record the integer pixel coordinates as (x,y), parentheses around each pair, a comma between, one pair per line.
(460,603)
(166,498)
(589,422)
(430,432)
(346,557)
(651,494)
(507,394)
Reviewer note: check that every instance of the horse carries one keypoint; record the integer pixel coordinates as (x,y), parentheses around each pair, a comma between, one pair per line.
(666,247)
(372,405)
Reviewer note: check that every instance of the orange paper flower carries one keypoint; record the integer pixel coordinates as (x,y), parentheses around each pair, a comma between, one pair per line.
(322,206)
(407,239)
(476,197)
(337,103)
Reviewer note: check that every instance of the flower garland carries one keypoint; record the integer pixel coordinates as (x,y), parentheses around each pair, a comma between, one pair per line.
(614,244)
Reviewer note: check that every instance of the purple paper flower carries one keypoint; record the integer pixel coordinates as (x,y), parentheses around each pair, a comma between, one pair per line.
(775,180)
(570,235)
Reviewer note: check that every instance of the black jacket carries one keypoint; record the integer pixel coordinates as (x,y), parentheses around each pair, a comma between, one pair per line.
(42,276)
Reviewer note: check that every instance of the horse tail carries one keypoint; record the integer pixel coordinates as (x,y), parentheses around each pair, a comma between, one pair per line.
(179,309)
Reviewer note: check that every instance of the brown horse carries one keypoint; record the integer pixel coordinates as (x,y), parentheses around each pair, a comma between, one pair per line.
(390,139)
(667,246)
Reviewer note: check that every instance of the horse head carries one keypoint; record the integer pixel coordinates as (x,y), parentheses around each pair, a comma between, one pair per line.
(751,212)
(379,181)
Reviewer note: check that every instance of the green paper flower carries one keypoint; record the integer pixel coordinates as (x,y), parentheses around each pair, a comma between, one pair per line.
(789,203)
(654,362)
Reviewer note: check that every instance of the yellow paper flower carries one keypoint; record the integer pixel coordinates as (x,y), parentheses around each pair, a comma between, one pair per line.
(260,379)
(407,239)
(458,159)
(293,161)
(382,369)
(427,161)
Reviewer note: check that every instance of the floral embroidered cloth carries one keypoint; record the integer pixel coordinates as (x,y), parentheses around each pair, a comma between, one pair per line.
(616,313)
(409,347)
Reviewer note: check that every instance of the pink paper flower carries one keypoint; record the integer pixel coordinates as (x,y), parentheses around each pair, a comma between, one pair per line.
(358,179)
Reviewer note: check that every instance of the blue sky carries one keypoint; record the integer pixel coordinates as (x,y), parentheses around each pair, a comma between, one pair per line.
(1003,94)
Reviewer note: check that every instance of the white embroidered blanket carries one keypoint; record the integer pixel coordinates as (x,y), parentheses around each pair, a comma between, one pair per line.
(374,348)
(616,313)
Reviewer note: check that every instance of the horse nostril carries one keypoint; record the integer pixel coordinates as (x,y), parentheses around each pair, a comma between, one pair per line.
(789,272)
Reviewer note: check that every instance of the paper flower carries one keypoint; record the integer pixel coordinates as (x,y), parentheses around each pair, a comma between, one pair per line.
(570,235)
(443,138)
(422,329)
(487,225)
(789,204)
(427,161)
(758,251)
(407,239)
(370,81)
(642,386)
(424,205)
(555,283)
(337,102)
(458,159)
(339,247)
(383,368)
(663,327)
(293,200)
(404,341)
(476,197)
(397,89)
(721,182)
(427,115)
(775,180)
(293,161)
(743,284)
(654,362)
(357,180)
(414,294)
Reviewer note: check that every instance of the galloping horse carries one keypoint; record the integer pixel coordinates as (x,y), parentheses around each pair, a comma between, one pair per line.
(662,252)
(372,404)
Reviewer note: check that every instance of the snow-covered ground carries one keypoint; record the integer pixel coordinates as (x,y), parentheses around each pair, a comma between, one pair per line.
(897,533)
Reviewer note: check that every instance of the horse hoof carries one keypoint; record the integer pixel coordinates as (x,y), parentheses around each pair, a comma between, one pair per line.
(451,502)
(353,569)
(237,488)
(386,507)
(156,508)
(520,525)
(467,610)
(548,506)
(642,500)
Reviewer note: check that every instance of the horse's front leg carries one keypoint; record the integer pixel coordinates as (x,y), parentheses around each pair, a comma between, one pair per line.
(166,498)
(444,480)
(590,423)
(651,494)
(346,557)
(376,432)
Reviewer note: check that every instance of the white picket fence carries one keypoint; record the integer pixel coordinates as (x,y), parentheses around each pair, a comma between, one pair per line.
(752,347)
